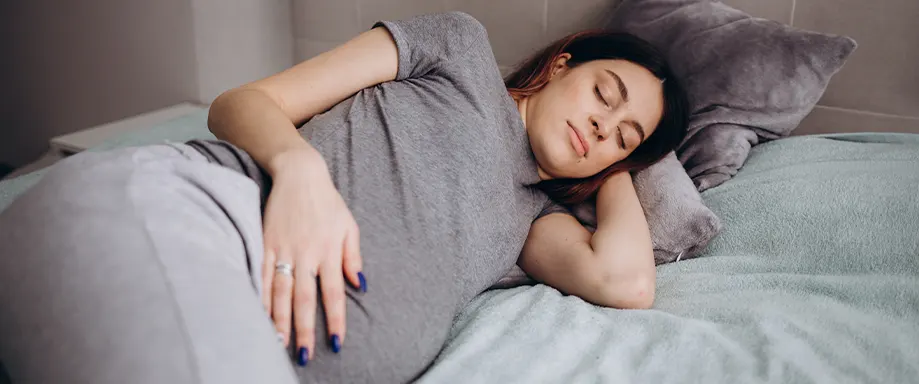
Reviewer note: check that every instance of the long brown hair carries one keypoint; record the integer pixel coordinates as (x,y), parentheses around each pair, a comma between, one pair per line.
(534,73)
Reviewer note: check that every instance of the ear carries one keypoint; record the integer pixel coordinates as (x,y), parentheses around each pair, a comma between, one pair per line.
(560,64)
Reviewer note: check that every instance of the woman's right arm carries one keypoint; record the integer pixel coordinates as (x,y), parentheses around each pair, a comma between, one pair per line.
(612,267)
(261,117)
(306,222)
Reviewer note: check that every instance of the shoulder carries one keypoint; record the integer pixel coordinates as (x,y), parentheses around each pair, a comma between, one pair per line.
(465,30)
(464,20)
(463,25)
(436,39)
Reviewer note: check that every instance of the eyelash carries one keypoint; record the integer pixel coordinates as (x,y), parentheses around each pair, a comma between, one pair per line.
(600,96)
(618,129)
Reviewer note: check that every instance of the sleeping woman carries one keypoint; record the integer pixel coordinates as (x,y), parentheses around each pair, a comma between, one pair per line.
(352,206)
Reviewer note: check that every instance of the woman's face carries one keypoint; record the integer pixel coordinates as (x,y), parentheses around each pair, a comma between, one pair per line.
(591,116)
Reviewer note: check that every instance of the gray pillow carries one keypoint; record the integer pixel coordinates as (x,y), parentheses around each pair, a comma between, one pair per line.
(749,80)
(681,224)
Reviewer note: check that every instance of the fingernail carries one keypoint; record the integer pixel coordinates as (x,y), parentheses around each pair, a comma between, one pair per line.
(336,343)
(363,281)
(304,356)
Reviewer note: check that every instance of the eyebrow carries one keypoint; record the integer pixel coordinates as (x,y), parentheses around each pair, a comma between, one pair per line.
(641,130)
(624,92)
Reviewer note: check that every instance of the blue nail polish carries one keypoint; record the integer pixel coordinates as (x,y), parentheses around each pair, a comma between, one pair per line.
(304,356)
(336,343)
(360,277)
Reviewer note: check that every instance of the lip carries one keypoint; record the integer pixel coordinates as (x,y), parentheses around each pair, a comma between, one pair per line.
(577,141)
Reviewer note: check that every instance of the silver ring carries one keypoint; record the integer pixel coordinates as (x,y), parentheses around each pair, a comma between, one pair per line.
(284,269)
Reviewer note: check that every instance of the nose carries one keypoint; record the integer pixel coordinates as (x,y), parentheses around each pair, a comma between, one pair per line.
(603,124)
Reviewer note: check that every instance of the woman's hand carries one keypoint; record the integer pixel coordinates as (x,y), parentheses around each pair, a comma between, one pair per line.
(308,227)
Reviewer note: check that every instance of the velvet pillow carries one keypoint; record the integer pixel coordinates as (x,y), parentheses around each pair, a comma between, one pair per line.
(749,80)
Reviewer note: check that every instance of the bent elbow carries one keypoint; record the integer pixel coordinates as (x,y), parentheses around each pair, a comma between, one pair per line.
(220,107)
(226,107)
(632,293)
(643,296)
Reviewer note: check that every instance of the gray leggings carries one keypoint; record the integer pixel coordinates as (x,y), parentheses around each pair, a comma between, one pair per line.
(141,265)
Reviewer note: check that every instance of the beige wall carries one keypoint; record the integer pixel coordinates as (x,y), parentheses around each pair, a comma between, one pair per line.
(5,78)
(237,41)
(76,64)
(516,27)
(68,65)
(878,90)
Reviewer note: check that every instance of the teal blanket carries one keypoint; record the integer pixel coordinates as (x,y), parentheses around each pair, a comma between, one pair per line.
(815,278)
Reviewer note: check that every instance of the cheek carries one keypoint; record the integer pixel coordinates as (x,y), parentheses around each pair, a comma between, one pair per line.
(562,98)
(573,95)
(612,154)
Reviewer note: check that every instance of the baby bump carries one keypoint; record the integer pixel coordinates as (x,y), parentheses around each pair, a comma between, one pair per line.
(397,327)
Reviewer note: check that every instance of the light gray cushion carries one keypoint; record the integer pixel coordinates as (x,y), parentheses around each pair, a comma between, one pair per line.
(681,225)
(749,79)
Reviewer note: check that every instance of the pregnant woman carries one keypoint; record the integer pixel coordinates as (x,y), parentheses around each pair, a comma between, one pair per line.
(352,206)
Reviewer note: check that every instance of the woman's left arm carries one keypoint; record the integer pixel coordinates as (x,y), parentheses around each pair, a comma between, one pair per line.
(613,267)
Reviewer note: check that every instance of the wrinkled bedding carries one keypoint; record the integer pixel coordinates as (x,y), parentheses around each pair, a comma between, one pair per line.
(815,279)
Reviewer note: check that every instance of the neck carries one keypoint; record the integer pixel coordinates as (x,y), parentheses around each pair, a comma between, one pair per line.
(522,108)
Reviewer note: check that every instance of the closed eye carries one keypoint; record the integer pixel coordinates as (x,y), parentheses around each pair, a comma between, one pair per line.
(621,139)
(600,96)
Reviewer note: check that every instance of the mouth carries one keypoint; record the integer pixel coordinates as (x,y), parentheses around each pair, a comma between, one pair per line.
(577,141)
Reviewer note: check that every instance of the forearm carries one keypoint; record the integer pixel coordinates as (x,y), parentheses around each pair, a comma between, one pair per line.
(569,263)
(251,120)
(260,117)
(621,244)
(613,267)
(602,278)
(622,229)
(580,272)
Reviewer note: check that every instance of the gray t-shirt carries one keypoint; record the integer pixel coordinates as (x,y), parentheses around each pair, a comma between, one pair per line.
(437,163)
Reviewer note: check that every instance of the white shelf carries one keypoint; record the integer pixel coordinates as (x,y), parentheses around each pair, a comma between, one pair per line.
(82,140)
(71,143)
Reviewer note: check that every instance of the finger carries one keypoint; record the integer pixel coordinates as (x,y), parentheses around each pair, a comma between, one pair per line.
(305,312)
(333,299)
(267,278)
(353,263)
(282,288)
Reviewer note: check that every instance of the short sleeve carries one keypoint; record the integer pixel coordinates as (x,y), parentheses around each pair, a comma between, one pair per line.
(552,207)
(585,213)
(428,43)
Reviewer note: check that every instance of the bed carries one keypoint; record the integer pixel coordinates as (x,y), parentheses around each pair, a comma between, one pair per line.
(814,279)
